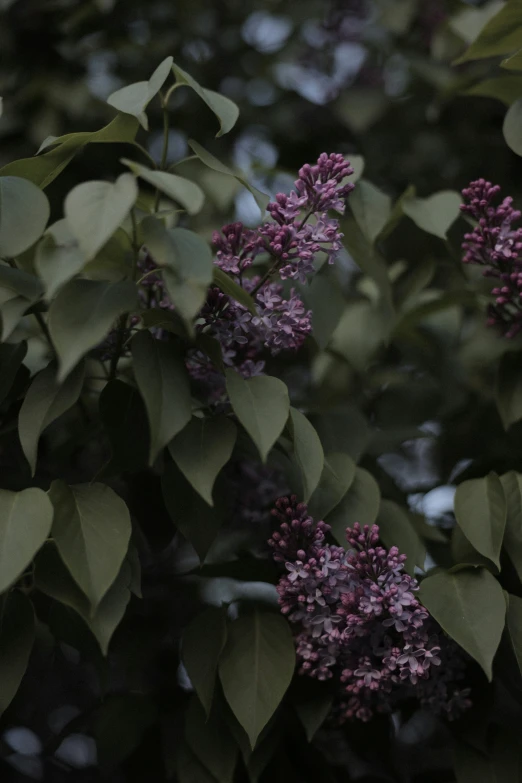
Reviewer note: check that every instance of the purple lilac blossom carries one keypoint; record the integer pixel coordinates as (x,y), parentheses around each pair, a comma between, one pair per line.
(496,245)
(359,621)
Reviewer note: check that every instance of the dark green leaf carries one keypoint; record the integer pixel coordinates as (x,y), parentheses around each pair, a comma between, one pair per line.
(119,726)
(261,405)
(480,510)
(396,529)
(256,668)
(512,128)
(163,383)
(213,163)
(336,478)
(11,358)
(195,519)
(313,711)
(134,98)
(83,313)
(24,212)
(16,642)
(508,389)
(512,485)
(503,88)
(92,530)
(371,208)
(308,452)
(513,63)
(211,741)
(53,579)
(225,110)
(201,449)
(45,401)
(25,522)
(226,284)
(324,297)
(345,430)
(202,644)
(360,504)
(469,605)
(125,420)
(514,624)
(501,35)
(94,210)
(189,769)
(181,190)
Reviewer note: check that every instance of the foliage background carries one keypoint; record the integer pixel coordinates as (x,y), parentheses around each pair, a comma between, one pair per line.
(413,398)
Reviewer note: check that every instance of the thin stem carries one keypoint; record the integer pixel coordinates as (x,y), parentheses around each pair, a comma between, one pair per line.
(183,160)
(265,278)
(169,93)
(147,154)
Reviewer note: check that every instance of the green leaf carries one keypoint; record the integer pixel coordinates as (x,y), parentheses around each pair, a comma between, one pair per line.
(503,88)
(11,358)
(480,510)
(360,504)
(25,522)
(396,529)
(336,479)
(24,212)
(371,208)
(119,726)
(82,315)
(163,383)
(202,644)
(189,769)
(198,522)
(514,624)
(125,421)
(45,401)
(469,605)
(344,430)
(201,449)
(256,668)
(43,169)
(308,452)
(16,643)
(371,263)
(362,330)
(134,98)
(463,553)
(92,531)
(53,579)
(188,263)
(226,284)
(313,710)
(512,485)
(513,63)
(211,741)
(225,110)
(501,35)
(434,214)
(58,258)
(261,404)
(95,209)
(213,163)
(324,297)
(183,191)
(512,127)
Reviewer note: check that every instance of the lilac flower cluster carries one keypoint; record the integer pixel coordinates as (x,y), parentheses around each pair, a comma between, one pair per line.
(359,621)
(495,244)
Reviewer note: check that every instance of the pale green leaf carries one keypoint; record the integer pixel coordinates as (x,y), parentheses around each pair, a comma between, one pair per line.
(512,127)
(183,191)
(92,531)
(434,214)
(216,165)
(256,668)
(502,34)
(480,510)
(58,257)
(469,605)
(95,209)
(134,98)
(163,383)
(16,642)
(201,449)
(225,110)
(261,404)
(371,208)
(25,522)
(336,479)
(45,401)
(24,212)
(360,504)
(82,315)
(308,452)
